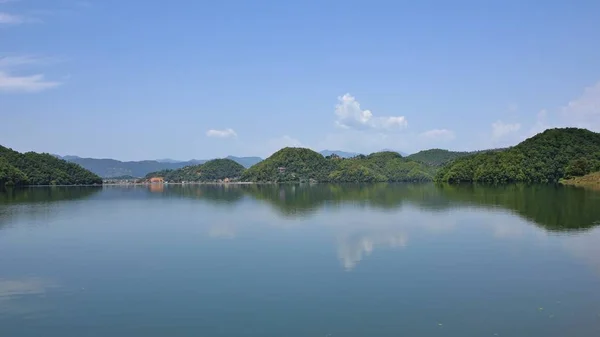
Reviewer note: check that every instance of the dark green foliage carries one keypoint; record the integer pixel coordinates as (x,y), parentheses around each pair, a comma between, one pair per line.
(212,170)
(578,167)
(381,158)
(546,157)
(381,167)
(41,169)
(220,169)
(436,157)
(350,171)
(299,164)
(10,175)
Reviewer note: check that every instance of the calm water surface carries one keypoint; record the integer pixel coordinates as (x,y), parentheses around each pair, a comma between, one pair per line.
(340,260)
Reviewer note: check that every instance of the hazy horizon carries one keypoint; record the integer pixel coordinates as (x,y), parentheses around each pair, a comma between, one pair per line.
(228,155)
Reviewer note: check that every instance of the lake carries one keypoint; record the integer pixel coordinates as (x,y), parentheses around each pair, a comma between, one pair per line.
(300,260)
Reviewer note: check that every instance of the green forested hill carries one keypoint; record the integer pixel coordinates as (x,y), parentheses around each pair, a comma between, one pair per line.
(212,170)
(41,169)
(545,157)
(10,175)
(381,167)
(298,164)
(436,157)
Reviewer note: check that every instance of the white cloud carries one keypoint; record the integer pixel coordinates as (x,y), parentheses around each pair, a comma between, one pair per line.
(540,125)
(11,19)
(275,144)
(350,116)
(32,83)
(585,110)
(12,61)
(501,129)
(226,133)
(438,134)
(9,82)
(287,141)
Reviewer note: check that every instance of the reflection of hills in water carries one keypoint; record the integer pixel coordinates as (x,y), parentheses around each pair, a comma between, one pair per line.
(209,193)
(554,208)
(212,193)
(46,194)
(40,196)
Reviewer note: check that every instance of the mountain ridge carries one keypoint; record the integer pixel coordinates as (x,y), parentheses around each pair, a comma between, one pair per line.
(342,154)
(305,165)
(110,168)
(547,157)
(31,168)
(211,171)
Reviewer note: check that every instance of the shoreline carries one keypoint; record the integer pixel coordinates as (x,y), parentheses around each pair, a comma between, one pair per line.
(192,183)
(591,180)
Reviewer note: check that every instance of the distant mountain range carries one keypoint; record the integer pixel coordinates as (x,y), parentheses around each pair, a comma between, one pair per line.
(168,160)
(345,154)
(342,154)
(245,161)
(109,168)
(403,154)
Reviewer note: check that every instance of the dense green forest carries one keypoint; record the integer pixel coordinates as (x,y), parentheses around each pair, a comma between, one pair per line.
(436,157)
(212,170)
(545,157)
(299,164)
(10,175)
(41,169)
(381,167)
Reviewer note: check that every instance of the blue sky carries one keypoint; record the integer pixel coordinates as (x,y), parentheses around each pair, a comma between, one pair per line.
(200,79)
